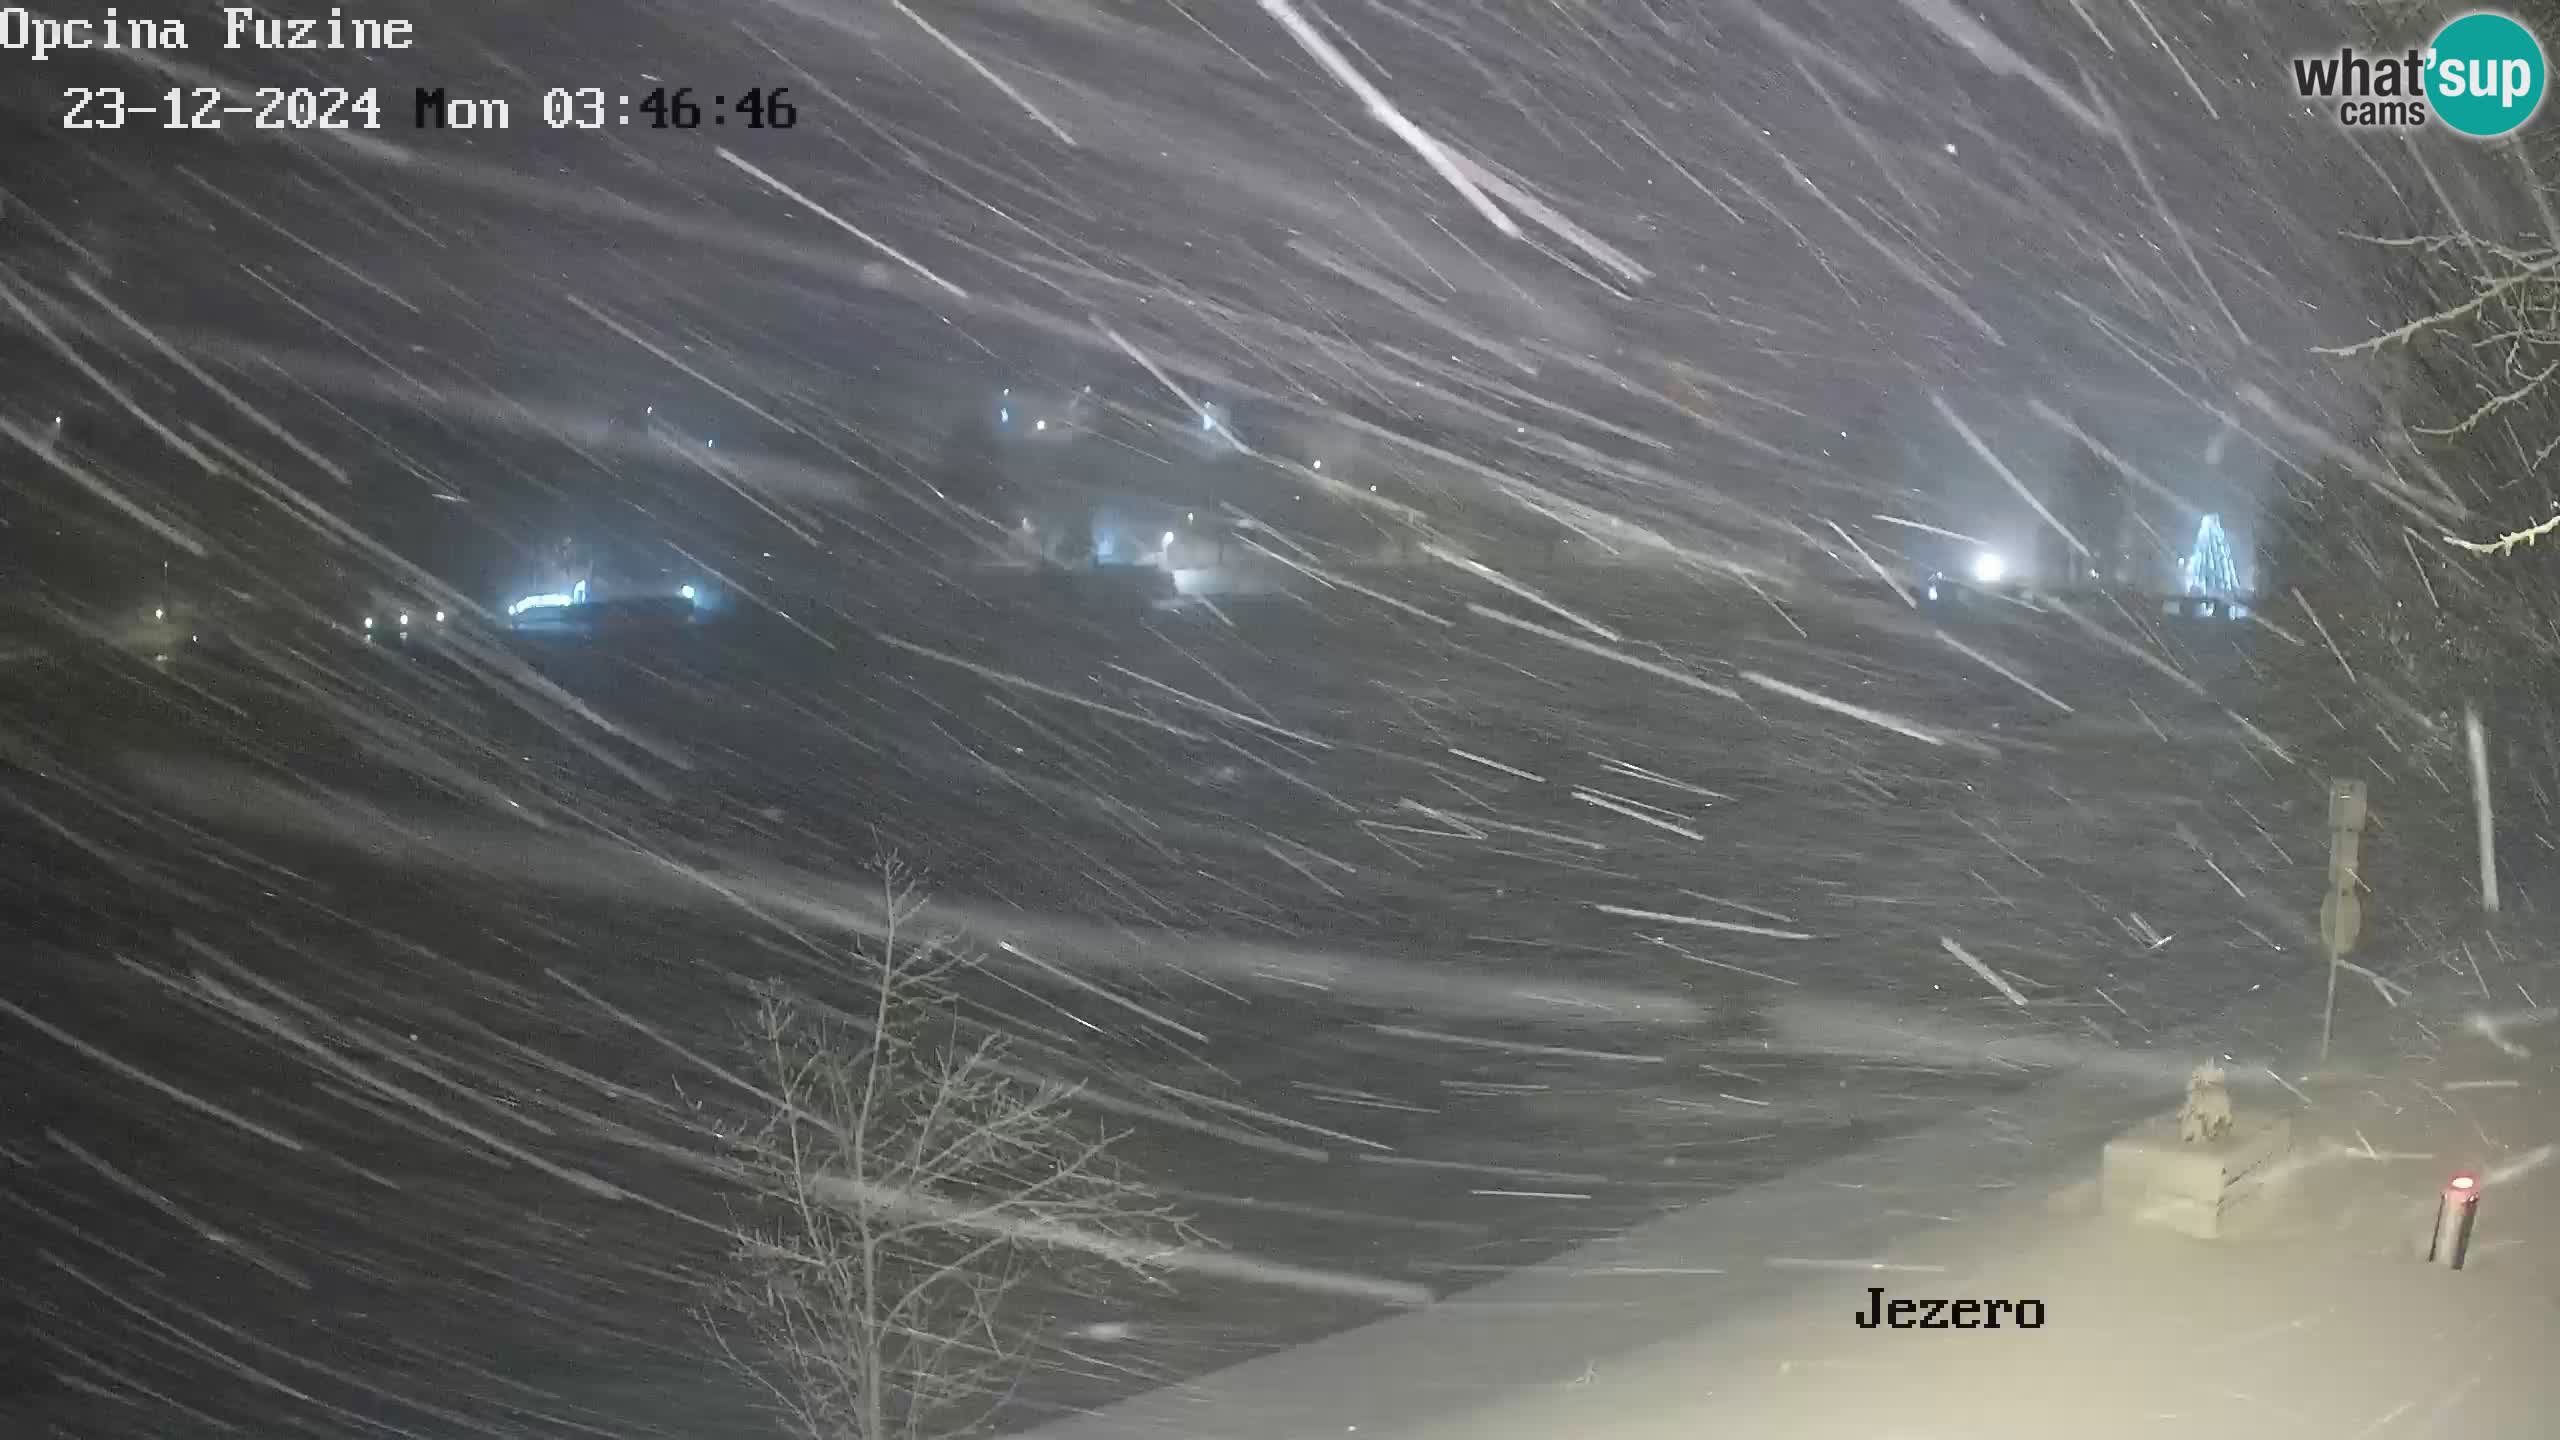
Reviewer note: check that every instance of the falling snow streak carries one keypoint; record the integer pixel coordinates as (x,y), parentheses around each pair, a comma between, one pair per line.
(1328,578)
(1660,672)
(1220,1264)
(1974,443)
(1995,55)
(99,488)
(1481,1042)
(626,332)
(247,411)
(136,1074)
(1882,573)
(1901,263)
(990,76)
(306,246)
(2120,644)
(1640,814)
(846,226)
(1879,718)
(27,315)
(1488,574)
(1383,110)
(1702,922)
(1989,976)
(2003,671)
(1018,682)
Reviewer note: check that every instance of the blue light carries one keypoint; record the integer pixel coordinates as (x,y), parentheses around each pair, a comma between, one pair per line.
(530,602)
(1208,422)
(2208,569)
(578,593)
(686,591)
(1004,415)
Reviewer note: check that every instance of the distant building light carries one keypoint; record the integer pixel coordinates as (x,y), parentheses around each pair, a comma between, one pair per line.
(530,602)
(1039,424)
(685,590)
(439,617)
(1168,540)
(368,622)
(404,619)
(159,614)
(1004,415)
(1319,464)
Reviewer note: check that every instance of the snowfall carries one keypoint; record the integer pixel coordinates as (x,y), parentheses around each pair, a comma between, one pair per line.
(1467,617)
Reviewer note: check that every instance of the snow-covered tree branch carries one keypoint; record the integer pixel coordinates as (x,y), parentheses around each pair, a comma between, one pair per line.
(906,1193)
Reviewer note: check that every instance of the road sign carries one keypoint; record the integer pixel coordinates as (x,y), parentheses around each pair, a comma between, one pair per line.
(2341,915)
(2341,921)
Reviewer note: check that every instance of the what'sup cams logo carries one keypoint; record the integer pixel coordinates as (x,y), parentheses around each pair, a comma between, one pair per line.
(2483,76)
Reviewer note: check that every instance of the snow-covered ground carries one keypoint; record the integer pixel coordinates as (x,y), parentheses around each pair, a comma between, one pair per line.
(1738,1318)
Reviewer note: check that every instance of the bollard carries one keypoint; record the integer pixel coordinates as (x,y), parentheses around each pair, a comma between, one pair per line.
(2456,1208)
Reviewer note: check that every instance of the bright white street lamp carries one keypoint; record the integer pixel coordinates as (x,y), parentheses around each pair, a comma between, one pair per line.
(1988,568)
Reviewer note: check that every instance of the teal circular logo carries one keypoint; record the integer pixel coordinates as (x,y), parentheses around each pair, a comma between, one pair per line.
(2485,74)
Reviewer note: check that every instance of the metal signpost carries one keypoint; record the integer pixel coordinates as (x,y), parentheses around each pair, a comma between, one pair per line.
(2341,914)
(2476,740)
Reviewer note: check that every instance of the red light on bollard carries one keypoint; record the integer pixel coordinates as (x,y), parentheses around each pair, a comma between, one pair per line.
(2456,1208)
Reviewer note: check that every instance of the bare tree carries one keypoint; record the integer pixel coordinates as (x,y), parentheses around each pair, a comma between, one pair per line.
(908,1188)
(2401,562)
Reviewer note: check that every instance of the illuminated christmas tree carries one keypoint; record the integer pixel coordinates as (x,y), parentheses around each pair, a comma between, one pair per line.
(2208,569)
